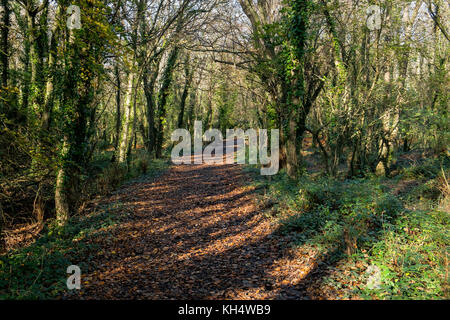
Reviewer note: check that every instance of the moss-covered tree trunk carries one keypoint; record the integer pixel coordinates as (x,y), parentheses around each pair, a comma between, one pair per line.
(127,119)
(83,53)
(298,108)
(162,98)
(188,79)
(118,117)
(149,90)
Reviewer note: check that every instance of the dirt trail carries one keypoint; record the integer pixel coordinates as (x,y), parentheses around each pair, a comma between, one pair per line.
(194,233)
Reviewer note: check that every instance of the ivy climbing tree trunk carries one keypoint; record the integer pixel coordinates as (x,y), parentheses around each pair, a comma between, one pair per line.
(281,71)
(298,108)
(149,89)
(162,97)
(85,49)
(187,85)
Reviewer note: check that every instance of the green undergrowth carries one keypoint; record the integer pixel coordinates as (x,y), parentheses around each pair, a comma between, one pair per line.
(38,271)
(106,176)
(363,222)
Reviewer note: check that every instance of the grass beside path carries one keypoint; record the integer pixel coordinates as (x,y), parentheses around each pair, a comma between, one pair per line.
(400,225)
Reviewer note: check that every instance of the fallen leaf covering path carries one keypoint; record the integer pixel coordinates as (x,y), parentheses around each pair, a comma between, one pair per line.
(194,233)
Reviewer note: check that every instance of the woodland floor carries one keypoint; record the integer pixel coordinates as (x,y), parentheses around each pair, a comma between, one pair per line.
(196,233)
(225,232)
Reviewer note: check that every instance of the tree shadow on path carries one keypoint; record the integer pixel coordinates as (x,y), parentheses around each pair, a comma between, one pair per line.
(196,233)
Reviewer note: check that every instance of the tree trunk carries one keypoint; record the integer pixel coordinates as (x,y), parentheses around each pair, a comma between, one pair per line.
(61,198)
(4,60)
(187,86)
(118,112)
(124,140)
(291,149)
(163,94)
(149,87)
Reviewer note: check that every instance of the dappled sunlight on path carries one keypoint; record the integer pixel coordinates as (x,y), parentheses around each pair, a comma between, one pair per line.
(194,233)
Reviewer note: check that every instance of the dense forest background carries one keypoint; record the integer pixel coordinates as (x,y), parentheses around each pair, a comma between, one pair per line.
(83,110)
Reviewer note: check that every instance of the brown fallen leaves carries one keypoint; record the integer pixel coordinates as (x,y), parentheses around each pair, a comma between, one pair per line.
(194,233)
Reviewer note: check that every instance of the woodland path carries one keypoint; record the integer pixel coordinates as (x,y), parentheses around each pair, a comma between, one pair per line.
(195,233)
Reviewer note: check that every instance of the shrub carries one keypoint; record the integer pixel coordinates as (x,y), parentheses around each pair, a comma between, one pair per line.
(111,177)
(389,205)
